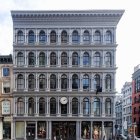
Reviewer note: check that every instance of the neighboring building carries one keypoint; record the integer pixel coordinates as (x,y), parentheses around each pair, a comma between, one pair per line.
(64,74)
(6,83)
(118,109)
(136,100)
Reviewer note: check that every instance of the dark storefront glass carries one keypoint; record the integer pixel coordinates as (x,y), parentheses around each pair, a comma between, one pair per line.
(41,129)
(85,132)
(6,130)
(97,130)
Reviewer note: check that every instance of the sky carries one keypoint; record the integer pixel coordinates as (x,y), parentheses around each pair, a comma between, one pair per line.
(127,35)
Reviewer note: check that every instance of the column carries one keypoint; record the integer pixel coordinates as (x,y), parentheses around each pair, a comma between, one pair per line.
(25,104)
(50,130)
(25,82)
(36,130)
(103,129)
(36,36)
(114,82)
(47,81)
(25,39)
(58,107)
(37,59)
(92,58)
(103,59)
(81,59)
(59,59)
(59,37)
(58,81)
(24,130)
(92,34)
(114,101)
(47,130)
(81,81)
(81,107)
(70,37)
(36,106)
(91,130)
(70,59)
(114,35)
(47,107)
(48,59)
(92,82)
(14,56)
(103,36)
(81,36)
(14,130)
(26,36)
(14,82)
(80,123)
(14,36)
(113,129)
(103,82)
(77,130)
(36,83)
(92,108)
(114,59)
(70,82)
(69,106)
(103,107)
(25,58)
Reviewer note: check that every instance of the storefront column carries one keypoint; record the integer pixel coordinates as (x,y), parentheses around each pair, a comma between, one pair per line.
(47,130)
(1,128)
(80,130)
(103,129)
(113,128)
(50,130)
(25,130)
(36,130)
(14,130)
(91,130)
(77,130)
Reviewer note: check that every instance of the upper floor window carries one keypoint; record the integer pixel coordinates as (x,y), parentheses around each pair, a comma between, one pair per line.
(42,82)
(64,37)
(6,107)
(108,37)
(53,81)
(20,82)
(53,58)
(64,58)
(108,82)
(86,106)
(85,81)
(20,106)
(75,59)
(53,37)
(41,106)
(75,81)
(108,106)
(20,37)
(6,87)
(64,81)
(31,59)
(86,59)
(31,82)
(97,82)
(31,37)
(52,106)
(42,37)
(20,59)
(75,37)
(6,72)
(97,59)
(74,106)
(31,106)
(42,59)
(86,37)
(96,106)
(108,59)
(97,37)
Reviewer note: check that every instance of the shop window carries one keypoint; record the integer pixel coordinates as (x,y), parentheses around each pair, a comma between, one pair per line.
(97,130)
(85,130)
(6,130)
(6,87)
(6,72)
(41,130)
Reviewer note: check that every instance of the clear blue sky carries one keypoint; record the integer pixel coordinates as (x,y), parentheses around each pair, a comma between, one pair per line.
(127,30)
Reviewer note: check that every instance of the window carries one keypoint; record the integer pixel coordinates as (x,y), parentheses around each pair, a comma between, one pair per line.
(53,81)
(6,72)
(20,82)
(53,37)
(97,59)
(31,82)
(96,81)
(64,58)
(74,106)
(86,37)
(42,82)
(97,37)
(86,106)
(75,37)
(31,37)
(85,82)
(6,107)
(85,130)
(63,109)
(64,82)
(75,59)
(108,82)
(31,107)
(86,59)
(108,107)
(31,59)
(20,59)
(53,58)
(20,106)
(75,81)
(108,37)
(42,37)
(53,106)
(96,107)
(64,37)
(41,106)
(20,37)
(41,129)
(42,59)
(6,87)
(108,59)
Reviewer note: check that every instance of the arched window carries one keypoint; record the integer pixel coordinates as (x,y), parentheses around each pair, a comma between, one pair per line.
(64,37)
(42,59)
(41,106)
(20,82)
(75,37)
(75,81)
(31,107)
(108,82)
(20,59)
(31,59)
(31,82)
(86,37)
(97,37)
(97,82)
(20,106)
(20,37)
(64,109)
(75,59)
(108,59)
(42,82)
(85,82)
(86,59)
(86,106)
(52,106)
(31,37)
(53,58)
(64,82)
(42,37)
(64,58)
(108,107)
(108,37)
(97,59)
(53,81)
(96,106)
(53,37)
(74,106)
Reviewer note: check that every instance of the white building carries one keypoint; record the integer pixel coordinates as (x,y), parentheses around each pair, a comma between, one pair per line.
(64,74)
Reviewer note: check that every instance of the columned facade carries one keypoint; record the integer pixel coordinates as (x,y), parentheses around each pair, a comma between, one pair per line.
(64,74)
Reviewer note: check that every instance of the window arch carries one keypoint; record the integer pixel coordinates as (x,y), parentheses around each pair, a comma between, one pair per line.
(64,37)
(31,59)
(53,58)
(108,59)
(31,107)
(86,82)
(64,58)
(108,82)
(42,82)
(31,82)
(64,82)
(108,107)
(75,81)
(20,82)
(108,37)
(75,37)
(53,37)
(53,81)
(86,37)
(53,106)
(31,37)
(97,82)
(20,59)
(97,59)
(41,106)
(42,59)
(75,59)
(20,37)
(97,37)
(96,107)
(42,37)
(20,106)
(86,106)
(86,59)
(75,106)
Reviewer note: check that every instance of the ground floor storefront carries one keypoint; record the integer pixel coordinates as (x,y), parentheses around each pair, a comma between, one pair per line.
(63,130)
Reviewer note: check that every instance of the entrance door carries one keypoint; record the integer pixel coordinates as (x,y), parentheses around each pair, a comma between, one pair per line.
(30,132)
